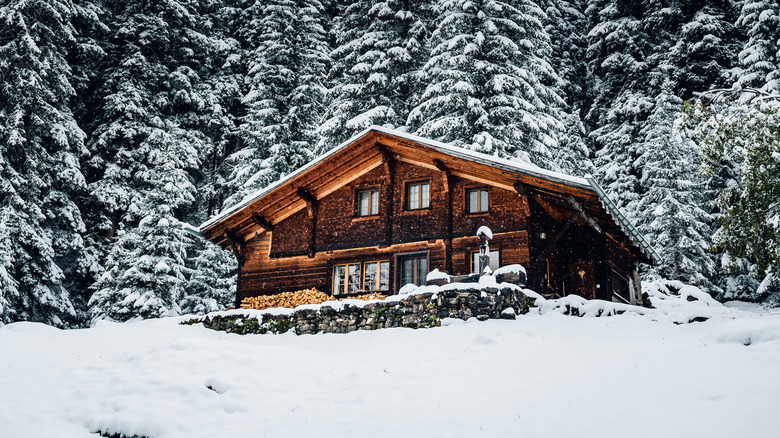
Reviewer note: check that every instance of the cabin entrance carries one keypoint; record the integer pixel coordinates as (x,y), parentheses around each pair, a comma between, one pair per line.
(582,279)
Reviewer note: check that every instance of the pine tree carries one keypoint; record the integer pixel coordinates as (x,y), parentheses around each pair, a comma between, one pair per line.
(40,150)
(669,214)
(285,102)
(740,145)
(566,25)
(617,53)
(146,267)
(211,286)
(760,57)
(381,47)
(704,54)
(490,82)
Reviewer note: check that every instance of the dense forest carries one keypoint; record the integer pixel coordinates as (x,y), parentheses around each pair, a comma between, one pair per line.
(120,121)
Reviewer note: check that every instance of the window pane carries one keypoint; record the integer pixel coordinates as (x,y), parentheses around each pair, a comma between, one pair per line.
(493,262)
(413,196)
(338,280)
(364,203)
(422,270)
(473,201)
(384,276)
(353,278)
(483,202)
(407,272)
(426,196)
(375,202)
(369,282)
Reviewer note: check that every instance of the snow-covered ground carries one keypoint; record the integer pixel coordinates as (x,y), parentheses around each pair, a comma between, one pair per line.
(542,375)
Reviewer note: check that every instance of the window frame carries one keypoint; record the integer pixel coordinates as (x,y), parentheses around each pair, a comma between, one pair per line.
(479,190)
(474,267)
(407,196)
(344,283)
(358,193)
(417,255)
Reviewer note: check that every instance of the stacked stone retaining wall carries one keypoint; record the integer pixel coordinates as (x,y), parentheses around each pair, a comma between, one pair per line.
(413,311)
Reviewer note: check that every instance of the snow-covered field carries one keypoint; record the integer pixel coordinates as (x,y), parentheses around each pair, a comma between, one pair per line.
(542,375)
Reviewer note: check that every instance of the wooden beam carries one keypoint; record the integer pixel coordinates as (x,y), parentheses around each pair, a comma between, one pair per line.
(446,178)
(261,222)
(311,208)
(584,215)
(522,191)
(237,244)
(388,162)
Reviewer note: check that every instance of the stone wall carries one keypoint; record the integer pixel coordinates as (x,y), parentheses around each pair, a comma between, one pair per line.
(412,311)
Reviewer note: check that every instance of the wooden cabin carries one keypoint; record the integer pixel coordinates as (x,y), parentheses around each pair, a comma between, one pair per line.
(386,207)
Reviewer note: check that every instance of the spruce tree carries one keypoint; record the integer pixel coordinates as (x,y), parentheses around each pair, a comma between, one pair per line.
(146,267)
(380,48)
(287,70)
(41,146)
(669,213)
(760,56)
(490,83)
(212,283)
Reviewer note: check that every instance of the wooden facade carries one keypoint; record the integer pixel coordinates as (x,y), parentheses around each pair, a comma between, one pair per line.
(388,207)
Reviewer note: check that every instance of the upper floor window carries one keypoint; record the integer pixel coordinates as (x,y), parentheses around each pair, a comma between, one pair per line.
(477,200)
(418,195)
(367,202)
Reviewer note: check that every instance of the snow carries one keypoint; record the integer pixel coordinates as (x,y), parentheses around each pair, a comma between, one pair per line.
(437,275)
(517,269)
(486,231)
(543,374)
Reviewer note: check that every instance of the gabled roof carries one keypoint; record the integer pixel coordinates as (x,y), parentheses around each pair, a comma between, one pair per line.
(279,200)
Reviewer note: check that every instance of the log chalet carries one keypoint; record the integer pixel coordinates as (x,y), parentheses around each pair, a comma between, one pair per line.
(386,207)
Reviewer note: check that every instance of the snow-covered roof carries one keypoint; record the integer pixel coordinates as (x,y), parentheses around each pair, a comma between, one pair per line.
(493,161)
(588,184)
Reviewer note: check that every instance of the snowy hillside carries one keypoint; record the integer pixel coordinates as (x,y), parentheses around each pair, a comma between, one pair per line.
(544,374)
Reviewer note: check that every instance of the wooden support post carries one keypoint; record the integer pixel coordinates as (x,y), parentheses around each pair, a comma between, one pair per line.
(446,177)
(262,222)
(388,163)
(578,208)
(311,209)
(237,244)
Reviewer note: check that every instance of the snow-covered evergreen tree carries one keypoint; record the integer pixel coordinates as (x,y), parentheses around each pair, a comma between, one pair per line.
(146,267)
(490,83)
(703,56)
(40,150)
(760,57)
(617,54)
(669,213)
(381,47)
(284,105)
(212,284)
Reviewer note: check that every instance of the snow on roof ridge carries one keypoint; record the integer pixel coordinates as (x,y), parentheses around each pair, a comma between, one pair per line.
(443,147)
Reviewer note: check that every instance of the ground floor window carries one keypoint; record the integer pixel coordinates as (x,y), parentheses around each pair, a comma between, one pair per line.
(620,287)
(413,268)
(493,263)
(361,276)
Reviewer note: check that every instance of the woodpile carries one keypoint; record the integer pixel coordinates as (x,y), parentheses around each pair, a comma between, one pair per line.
(299,298)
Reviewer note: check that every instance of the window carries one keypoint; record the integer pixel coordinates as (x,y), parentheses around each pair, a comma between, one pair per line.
(476,200)
(418,195)
(413,268)
(355,277)
(376,276)
(367,202)
(493,263)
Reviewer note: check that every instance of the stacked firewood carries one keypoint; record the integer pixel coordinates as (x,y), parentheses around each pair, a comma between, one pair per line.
(298,298)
